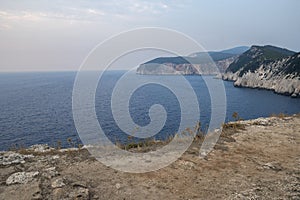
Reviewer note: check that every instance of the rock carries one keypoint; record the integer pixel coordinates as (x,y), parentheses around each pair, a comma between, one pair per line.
(203,154)
(68,150)
(273,165)
(41,148)
(118,186)
(58,193)
(10,157)
(80,193)
(55,157)
(30,190)
(58,183)
(50,172)
(21,177)
(279,75)
(79,184)
(95,197)
(259,122)
(208,67)
(37,195)
(294,95)
(186,164)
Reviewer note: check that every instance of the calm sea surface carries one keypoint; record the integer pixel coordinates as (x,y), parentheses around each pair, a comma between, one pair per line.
(36,108)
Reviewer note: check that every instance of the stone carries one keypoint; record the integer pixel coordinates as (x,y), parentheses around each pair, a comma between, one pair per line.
(30,190)
(186,164)
(58,183)
(118,186)
(21,177)
(80,193)
(50,172)
(278,82)
(55,157)
(37,195)
(41,148)
(207,68)
(58,193)
(273,165)
(10,157)
(79,184)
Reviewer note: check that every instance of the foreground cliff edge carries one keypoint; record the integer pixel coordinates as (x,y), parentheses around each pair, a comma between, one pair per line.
(254,159)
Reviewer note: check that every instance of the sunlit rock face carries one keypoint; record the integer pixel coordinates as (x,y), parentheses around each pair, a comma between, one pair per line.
(267,67)
(200,63)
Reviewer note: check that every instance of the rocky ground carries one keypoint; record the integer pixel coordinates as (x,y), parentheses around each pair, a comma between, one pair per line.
(255,159)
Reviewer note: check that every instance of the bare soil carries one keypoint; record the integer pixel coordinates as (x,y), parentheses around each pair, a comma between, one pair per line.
(257,159)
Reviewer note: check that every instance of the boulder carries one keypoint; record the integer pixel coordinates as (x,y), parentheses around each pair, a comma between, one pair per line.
(10,157)
(21,177)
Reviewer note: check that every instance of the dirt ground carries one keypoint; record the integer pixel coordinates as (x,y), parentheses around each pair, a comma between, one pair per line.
(259,159)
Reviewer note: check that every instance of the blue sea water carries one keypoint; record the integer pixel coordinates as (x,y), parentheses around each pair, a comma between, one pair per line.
(36,108)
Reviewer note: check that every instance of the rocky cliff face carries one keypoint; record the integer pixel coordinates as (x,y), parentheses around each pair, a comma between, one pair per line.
(267,68)
(170,68)
(200,63)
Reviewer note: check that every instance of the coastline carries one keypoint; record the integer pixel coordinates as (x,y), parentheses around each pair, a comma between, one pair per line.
(282,86)
(292,95)
(253,159)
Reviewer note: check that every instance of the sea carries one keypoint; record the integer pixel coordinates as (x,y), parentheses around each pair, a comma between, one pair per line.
(36,107)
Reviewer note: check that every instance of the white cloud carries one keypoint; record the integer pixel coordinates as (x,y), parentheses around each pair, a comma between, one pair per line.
(23,15)
(89,10)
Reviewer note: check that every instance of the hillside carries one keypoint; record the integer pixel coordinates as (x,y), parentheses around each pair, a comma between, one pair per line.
(257,55)
(197,63)
(267,67)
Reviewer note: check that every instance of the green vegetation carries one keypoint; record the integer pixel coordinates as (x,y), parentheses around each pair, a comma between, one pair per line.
(274,53)
(258,55)
(203,58)
(200,57)
(293,65)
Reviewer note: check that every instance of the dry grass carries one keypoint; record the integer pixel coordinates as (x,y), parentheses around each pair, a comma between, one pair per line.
(297,115)
(280,115)
(53,150)
(232,127)
(146,145)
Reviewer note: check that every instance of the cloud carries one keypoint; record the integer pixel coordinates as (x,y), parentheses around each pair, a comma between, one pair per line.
(147,7)
(87,10)
(22,15)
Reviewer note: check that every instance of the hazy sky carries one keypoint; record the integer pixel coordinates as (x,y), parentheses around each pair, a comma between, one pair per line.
(41,35)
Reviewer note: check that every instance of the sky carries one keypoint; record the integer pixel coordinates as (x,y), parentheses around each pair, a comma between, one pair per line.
(57,35)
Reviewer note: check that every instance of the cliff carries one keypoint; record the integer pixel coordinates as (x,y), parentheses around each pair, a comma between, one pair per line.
(254,159)
(267,67)
(202,63)
(171,68)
